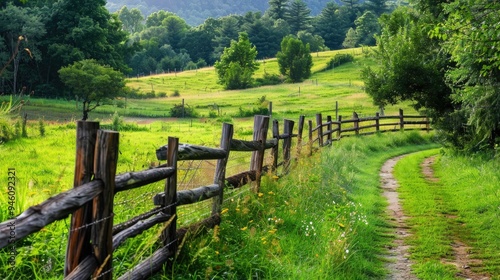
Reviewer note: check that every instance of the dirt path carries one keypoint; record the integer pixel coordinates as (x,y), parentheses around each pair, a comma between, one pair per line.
(399,265)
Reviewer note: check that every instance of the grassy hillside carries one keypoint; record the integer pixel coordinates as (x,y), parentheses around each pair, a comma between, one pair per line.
(200,91)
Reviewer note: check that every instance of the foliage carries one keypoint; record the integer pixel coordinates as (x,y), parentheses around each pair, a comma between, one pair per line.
(298,16)
(339,59)
(237,64)
(92,83)
(183,111)
(411,66)
(294,59)
(471,37)
(269,80)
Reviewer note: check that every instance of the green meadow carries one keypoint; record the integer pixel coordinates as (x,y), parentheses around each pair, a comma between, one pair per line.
(325,220)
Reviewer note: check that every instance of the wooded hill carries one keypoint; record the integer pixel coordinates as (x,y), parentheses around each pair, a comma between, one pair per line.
(194,12)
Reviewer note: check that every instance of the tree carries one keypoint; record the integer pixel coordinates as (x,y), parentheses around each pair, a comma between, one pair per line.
(298,16)
(294,59)
(412,66)
(471,36)
(331,25)
(21,30)
(277,9)
(132,19)
(237,64)
(83,31)
(92,83)
(366,27)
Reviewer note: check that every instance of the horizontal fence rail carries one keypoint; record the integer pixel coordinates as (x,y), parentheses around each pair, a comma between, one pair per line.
(93,236)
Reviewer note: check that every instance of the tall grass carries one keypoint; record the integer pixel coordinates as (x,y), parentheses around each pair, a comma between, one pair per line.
(324,221)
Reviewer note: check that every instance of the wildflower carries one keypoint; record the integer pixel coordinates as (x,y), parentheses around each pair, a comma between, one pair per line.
(224,211)
(273,231)
(347,251)
(244,228)
(260,194)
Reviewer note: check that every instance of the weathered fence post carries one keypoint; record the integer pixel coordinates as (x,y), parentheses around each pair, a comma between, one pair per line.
(220,171)
(105,160)
(168,235)
(287,144)
(274,150)
(339,132)
(377,121)
(78,247)
(310,124)
(270,108)
(299,134)
(329,127)
(319,123)
(356,122)
(260,127)
(401,120)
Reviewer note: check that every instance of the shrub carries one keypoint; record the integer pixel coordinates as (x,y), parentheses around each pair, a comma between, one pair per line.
(41,127)
(339,59)
(176,93)
(269,80)
(182,111)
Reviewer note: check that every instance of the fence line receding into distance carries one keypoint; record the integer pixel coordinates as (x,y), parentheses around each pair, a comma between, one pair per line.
(93,236)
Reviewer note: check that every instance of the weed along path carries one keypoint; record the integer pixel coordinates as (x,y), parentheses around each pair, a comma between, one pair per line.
(399,266)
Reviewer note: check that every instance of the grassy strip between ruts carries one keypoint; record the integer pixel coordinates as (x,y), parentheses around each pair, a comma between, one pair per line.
(326,220)
(463,205)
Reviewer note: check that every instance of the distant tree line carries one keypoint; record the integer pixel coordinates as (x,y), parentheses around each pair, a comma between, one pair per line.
(44,36)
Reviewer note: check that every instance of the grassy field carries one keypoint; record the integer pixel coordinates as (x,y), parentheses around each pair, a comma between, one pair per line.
(325,219)
(200,91)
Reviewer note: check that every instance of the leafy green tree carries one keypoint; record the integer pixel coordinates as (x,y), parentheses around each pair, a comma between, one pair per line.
(294,59)
(132,19)
(471,36)
(92,83)
(298,16)
(411,66)
(351,39)
(237,64)
(316,43)
(367,27)
(82,31)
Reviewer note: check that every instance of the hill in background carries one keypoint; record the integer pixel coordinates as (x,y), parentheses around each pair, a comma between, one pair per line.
(194,12)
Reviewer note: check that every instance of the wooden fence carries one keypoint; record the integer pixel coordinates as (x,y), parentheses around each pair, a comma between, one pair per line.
(93,236)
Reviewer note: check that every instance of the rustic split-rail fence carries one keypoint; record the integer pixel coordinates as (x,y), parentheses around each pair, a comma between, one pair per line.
(93,236)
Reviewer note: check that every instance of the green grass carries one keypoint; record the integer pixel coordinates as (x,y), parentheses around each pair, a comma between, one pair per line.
(324,221)
(462,205)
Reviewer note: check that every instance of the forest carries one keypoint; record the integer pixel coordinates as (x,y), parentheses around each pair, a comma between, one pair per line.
(194,12)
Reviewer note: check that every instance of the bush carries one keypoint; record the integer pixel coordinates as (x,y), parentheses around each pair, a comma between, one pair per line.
(242,113)
(339,59)
(180,111)
(41,127)
(269,80)
(176,93)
